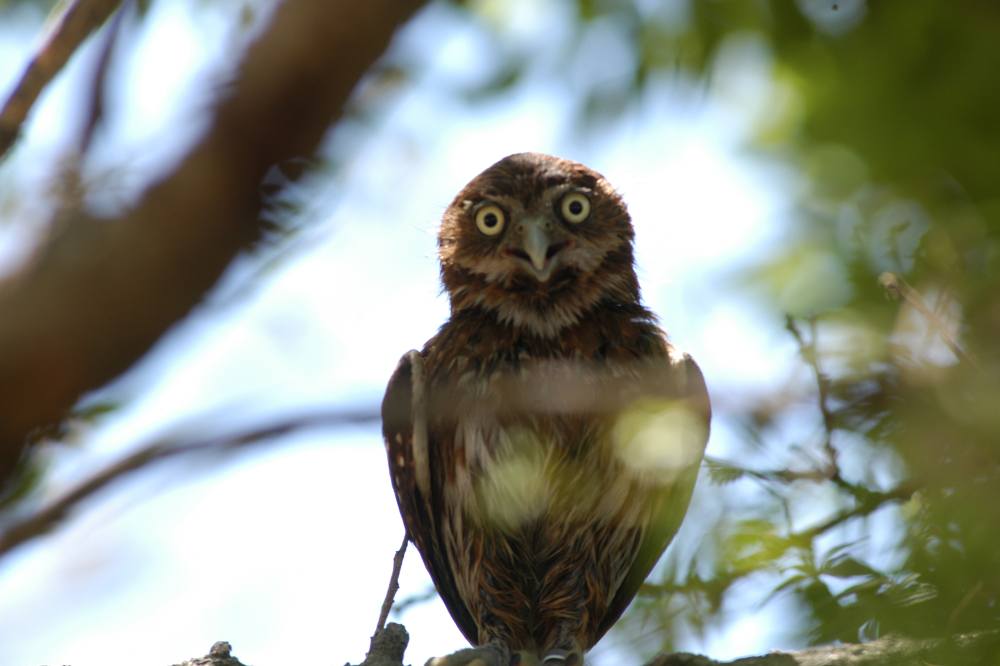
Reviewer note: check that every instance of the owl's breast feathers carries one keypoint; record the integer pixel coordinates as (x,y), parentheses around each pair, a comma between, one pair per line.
(517,459)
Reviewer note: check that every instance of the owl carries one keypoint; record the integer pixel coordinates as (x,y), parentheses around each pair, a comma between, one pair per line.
(544,444)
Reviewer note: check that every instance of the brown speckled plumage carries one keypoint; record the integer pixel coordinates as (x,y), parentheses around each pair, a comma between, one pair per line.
(544,444)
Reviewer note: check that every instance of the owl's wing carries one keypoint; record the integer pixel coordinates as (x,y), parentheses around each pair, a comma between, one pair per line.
(680,379)
(404,427)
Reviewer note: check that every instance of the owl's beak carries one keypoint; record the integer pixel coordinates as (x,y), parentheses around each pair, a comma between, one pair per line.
(539,250)
(536,241)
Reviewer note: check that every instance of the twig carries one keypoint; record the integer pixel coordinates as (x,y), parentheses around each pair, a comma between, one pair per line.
(953,618)
(95,106)
(811,356)
(70,192)
(861,509)
(71,28)
(43,521)
(390,595)
(896,286)
(774,476)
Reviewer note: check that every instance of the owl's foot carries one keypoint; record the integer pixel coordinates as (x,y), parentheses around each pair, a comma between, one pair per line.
(556,657)
(488,655)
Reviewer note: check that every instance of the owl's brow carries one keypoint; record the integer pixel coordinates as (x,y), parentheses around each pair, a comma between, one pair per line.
(556,180)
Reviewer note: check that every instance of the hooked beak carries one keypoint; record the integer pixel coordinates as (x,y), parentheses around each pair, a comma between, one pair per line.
(539,250)
(536,243)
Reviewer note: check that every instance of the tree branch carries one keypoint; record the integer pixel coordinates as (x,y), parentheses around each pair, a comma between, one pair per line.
(892,650)
(390,594)
(20,531)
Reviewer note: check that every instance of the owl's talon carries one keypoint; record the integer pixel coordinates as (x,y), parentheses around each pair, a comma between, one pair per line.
(557,657)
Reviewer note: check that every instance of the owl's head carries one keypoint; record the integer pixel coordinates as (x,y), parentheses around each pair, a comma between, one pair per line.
(538,241)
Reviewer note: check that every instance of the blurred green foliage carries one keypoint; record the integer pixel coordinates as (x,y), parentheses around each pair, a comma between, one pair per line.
(891,111)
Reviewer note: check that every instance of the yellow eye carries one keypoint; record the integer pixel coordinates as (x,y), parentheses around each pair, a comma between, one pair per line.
(489,219)
(575,207)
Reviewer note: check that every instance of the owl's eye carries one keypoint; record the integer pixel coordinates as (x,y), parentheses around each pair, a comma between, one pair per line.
(575,207)
(489,219)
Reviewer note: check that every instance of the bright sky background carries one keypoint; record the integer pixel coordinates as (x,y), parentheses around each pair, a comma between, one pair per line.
(285,551)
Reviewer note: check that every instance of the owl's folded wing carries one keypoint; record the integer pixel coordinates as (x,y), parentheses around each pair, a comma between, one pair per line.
(680,379)
(404,428)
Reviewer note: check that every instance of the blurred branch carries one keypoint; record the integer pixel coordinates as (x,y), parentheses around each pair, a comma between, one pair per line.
(74,25)
(866,500)
(95,107)
(47,518)
(810,355)
(70,190)
(723,471)
(100,293)
(897,287)
(863,508)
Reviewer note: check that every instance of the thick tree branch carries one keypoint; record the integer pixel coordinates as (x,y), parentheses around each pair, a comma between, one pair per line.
(101,292)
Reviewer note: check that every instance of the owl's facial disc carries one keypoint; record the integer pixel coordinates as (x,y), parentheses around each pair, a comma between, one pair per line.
(534,246)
